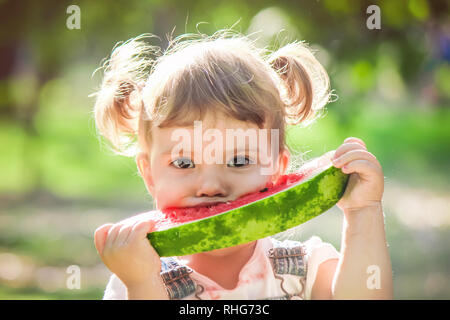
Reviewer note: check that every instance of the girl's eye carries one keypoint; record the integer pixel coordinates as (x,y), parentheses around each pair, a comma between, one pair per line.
(239,161)
(183,163)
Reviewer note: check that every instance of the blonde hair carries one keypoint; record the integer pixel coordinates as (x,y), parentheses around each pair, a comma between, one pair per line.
(144,86)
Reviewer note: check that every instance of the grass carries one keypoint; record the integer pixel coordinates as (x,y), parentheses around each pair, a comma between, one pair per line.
(37,294)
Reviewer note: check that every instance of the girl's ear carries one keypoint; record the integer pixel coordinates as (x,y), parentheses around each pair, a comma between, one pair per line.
(284,160)
(143,164)
(283,163)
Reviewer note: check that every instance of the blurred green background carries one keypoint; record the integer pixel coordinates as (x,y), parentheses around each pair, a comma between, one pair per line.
(59,181)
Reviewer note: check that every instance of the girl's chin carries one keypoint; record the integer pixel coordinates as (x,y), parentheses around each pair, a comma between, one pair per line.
(227,251)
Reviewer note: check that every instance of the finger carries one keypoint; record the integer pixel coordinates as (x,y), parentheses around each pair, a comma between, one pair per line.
(140,230)
(112,234)
(365,169)
(100,236)
(357,140)
(355,155)
(346,147)
(124,233)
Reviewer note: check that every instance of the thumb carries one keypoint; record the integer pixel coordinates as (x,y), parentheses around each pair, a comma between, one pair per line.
(100,237)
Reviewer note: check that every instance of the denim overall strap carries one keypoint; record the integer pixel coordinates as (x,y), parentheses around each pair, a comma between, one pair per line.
(177,279)
(289,257)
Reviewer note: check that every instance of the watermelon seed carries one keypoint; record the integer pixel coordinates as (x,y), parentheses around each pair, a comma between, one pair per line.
(264,190)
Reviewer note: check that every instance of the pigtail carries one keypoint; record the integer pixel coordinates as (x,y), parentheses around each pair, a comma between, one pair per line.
(304,85)
(119,101)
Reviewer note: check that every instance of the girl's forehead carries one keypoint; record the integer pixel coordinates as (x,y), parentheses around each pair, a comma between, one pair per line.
(210,121)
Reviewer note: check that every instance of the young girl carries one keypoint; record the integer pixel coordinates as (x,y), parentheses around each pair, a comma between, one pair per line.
(227,83)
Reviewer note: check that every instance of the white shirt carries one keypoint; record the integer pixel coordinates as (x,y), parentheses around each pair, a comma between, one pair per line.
(256,279)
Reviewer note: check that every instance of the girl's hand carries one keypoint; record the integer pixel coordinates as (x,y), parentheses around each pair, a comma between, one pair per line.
(366,184)
(126,251)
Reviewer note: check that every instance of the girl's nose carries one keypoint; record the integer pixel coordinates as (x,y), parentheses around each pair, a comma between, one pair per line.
(211,185)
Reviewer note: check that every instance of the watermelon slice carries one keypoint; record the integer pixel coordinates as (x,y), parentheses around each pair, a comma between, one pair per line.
(294,199)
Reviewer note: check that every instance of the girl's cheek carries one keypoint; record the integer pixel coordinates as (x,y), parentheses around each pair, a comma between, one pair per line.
(170,193)
(251,182)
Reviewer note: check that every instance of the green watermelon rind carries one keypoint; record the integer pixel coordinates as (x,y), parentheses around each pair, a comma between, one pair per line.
(265,217)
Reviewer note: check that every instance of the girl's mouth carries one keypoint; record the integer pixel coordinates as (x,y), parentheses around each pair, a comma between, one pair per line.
(207,204)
